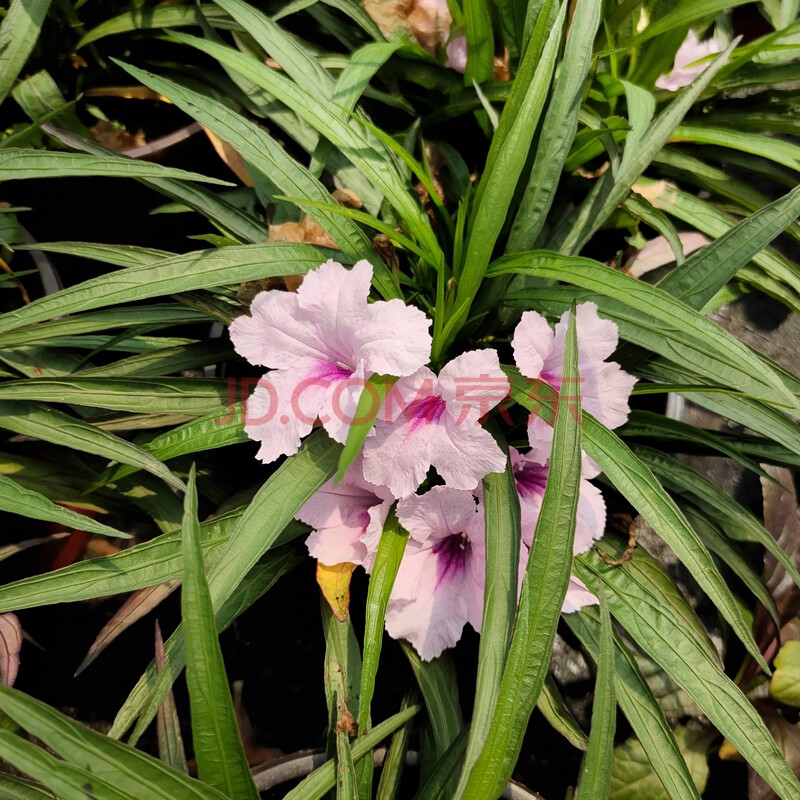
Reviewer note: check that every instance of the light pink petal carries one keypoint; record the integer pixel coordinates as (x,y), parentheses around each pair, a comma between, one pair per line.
(606,389)
(392,339)
(334,296)
(282,410)
(591,517)
(10,645)
(464,454)
(658,253)
(439,586)
(457,54)
(340,406)
(273,336)
(532,344)
(597,338)
(372,535)
(397,455)
(577,597)
(472,384)
(427,612)
(684,69)
(438,512)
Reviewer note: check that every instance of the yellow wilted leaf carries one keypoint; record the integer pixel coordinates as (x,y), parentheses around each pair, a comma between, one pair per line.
(335,585)
(231,157)
(128,92)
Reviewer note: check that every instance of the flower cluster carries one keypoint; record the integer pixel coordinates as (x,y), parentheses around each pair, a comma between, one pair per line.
(323,343)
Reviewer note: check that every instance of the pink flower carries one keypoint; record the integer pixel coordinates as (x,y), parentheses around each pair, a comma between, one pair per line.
(658,253)
(604,387)
(322,344)
(457,54)
(685,69)
(436,424)
(347,519)
(530,476)
(439,587)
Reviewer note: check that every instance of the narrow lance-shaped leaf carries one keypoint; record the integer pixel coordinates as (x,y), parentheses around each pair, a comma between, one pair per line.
(15,499)
(503,537)
(558,129)
(596,772)
(220,757)
(23,164)
(543,590)
(203,269)
(18,35)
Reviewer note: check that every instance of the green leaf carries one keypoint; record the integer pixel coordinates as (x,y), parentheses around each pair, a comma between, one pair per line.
(653,302)
(551,704)
(757,144)
(15,499)
(704,273)
(664,638)
(168,725)
(682,18)
(391,547)
(206,433)
(141,17)
(168,395)
(636,482)
(18,789)
(130,772)
(373,161)
(507,154)
(543,590)
(23,164)
(610,190)
(272,509)
(633,775)
(148,564)
(49,425)
(121,255)
(395,762)
(201,269)
(503,537)
(785,684)
(322,780)
(558,129)
(265,154)
(222,213)
(18,34)
(163,315)
(480,42)
(220,757)
(369,405)
(643,712)
(595,775)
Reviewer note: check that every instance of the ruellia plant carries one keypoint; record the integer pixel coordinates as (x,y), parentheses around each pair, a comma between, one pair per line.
(470,250)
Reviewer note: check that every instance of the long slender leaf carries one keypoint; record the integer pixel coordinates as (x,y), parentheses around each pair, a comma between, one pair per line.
(15,499)
(22,164)
(665,640)
(503,537)
(203,269)
(596,772)
(18,35)
(543,590)
(221,761)
(272,509)
(48,425)
(559,124)
(130,771)
(121,255)
(640,707)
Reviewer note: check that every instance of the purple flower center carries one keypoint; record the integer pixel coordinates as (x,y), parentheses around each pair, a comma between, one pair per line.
(452,554)
(331,372)
(427,410)
(530,479)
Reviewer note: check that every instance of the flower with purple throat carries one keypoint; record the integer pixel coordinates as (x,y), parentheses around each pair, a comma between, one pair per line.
(322,344)
(434,421)
(439,586)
